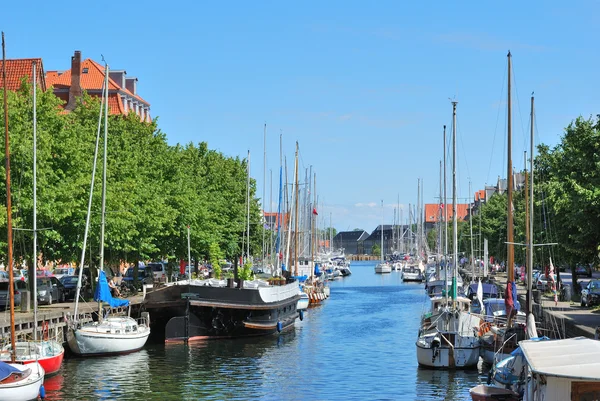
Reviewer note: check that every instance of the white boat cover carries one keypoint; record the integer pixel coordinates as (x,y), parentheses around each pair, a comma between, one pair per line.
(575,358)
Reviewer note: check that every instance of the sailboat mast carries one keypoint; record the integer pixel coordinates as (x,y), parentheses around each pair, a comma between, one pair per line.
(34,260)
(271,215)
(9,255)
(471,230)
(248,209)
(382,218)
(314,224)
(454,217)
(510,260)
(527,233)
(439,244)
(418,219)
(296,193)
(103,100)
(264,232)
(445,212)
(530,247)
(104,157)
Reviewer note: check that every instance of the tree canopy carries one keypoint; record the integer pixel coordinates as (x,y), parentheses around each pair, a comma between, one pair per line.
(154,190)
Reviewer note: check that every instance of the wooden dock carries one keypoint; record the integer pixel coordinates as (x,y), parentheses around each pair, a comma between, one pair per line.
(52,319)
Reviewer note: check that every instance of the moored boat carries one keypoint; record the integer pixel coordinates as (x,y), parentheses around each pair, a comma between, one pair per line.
(20,382)
(203,309)
(48,353)
(381,268)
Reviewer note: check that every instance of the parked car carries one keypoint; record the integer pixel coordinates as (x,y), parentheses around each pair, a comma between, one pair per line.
(159,269)
(4,292)
(583,270)
(50,289)
(70,286)
(542,283)
(59,272)
(3,276)
(145,276)
(590,294)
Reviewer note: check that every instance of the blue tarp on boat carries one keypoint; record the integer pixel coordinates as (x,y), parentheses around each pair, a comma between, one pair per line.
(300,279)
(7,370)
(103,293)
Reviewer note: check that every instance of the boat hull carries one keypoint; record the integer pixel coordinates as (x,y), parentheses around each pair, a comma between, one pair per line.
(89,343)
(303,302)
(197,312)
(48,353)
(448,358)
(383,269)
(25,389)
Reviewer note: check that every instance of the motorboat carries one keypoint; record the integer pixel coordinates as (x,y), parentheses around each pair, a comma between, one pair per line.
(381,268)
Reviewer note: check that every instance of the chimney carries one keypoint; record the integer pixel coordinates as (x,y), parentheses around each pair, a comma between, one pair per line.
(75,89)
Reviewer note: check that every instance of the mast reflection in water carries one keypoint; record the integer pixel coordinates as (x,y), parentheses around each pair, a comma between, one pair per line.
(359,344)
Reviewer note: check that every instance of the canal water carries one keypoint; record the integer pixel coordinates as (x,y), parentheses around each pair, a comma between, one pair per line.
(358,345)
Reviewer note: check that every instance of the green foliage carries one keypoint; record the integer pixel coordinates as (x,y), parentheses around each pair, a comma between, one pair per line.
(215,259)
(154,190)
(245,272)
(376,250)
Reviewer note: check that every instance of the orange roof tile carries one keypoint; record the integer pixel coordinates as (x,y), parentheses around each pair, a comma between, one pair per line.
(93,79)
(16,69)
(432,212)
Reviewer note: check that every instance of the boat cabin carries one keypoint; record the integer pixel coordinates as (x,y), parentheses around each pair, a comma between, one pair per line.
(563,369)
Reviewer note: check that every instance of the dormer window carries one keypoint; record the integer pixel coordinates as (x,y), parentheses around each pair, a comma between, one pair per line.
(85,70)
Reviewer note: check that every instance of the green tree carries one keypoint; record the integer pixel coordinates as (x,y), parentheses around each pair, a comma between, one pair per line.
(376,250)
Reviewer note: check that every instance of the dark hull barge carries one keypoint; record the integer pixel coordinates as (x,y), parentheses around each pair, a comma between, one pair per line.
(206,309)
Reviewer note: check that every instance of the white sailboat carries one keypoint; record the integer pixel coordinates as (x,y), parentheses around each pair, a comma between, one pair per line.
(383,266)
(17,381)
(446,337)
(112,335)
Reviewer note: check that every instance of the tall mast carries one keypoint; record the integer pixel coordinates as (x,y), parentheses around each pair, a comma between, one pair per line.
(248,209)
(9,255)
(417,219)
(271,215)
(471,230)
(314,225)
(296,193)
(35,303)
(530,247)
(103,100)
(263,255)
(104,161)
(440,213)
(509,184)
(382,219)
(454,218)
(445,211)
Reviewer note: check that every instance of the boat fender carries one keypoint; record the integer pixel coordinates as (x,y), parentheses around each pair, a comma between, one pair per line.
(42,392)
(301,315)
(279,327)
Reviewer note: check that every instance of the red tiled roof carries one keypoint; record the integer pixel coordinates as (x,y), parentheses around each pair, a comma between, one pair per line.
(432,212)
(480,195)
(16,69)
(115,104)
(91,80)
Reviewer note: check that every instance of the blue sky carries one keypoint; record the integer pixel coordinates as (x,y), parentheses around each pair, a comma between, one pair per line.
(363,86)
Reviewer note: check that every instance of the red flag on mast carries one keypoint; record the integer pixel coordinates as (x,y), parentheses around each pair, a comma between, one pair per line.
(315,212)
